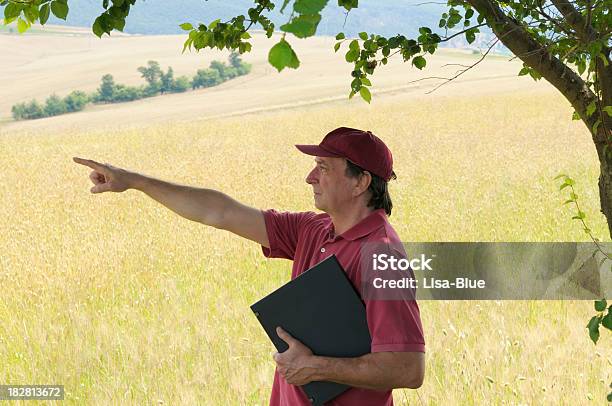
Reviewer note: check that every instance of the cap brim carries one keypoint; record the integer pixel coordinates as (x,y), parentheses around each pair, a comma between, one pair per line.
(316,150)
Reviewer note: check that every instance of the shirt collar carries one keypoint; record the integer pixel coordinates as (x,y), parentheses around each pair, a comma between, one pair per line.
(371,223)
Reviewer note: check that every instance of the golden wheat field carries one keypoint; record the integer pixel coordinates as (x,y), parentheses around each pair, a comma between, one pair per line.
(123,302)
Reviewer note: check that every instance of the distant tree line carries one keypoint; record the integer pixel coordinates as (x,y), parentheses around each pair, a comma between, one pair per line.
(158,82)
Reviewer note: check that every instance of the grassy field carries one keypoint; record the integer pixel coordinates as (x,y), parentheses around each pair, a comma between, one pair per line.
(124,302)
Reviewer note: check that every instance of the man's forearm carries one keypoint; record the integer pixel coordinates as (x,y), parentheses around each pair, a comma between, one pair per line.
(202,205)
(370,371)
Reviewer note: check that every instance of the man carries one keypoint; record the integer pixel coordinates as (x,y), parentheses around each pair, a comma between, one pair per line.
(349,184)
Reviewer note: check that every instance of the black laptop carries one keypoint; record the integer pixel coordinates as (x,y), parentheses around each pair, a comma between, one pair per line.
(322,309)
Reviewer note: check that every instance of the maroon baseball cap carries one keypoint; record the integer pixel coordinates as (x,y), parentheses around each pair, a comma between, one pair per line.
(360,147)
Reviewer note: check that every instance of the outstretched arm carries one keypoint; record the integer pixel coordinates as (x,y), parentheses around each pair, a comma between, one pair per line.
(206,206)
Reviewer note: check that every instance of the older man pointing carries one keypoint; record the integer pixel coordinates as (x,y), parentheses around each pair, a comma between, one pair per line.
(349,184)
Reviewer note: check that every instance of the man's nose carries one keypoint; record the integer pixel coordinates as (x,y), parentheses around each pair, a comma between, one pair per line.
(312,177)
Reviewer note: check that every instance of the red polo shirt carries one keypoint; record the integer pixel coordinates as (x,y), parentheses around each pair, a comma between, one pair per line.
(307,238)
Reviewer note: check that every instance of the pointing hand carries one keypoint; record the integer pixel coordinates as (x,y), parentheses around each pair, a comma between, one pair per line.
(105,177)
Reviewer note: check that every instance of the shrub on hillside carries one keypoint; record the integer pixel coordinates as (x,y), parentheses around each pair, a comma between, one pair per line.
(181,84)
(152,73)
(111,92)
(125,93)
(241,67)
(18,111)
(54,106)
(206,78)
(106,91)
(28,111)
(76,101)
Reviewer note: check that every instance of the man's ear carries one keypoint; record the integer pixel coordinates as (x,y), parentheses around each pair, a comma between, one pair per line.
(363,183)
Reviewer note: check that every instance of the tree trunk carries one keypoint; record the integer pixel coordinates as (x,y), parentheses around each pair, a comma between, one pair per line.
(604,75)
(605,186)
(568,82)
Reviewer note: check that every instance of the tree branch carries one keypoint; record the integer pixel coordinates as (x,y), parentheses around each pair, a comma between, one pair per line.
(535,55)
(573,17)
(462,71)
(552,20)
(462,32)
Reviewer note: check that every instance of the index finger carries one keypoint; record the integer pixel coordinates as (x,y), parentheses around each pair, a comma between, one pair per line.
(88,162)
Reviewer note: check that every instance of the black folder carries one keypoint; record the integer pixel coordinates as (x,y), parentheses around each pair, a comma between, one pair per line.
(322,309)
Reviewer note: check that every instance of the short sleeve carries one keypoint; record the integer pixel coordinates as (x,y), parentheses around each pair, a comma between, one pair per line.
(393,315)
(283,229)
(395,325)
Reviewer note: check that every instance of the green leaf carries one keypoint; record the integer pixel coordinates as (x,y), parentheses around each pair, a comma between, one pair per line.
(97,28)
(579,216)
(282,56)
(366,82)
(568,182)
(561,175)
(593,327)
(22,25)
(59,9)
(600,305)
(245,35)
(419,62)
(186,26)
(44,13)
(187,44)
(363,35)
(302,26)
(596,125)
(607,321)
(340,36)
(337,46)
(348,4)
(365,94)
(285,2)
(575,116)
(119,24)
(213,24)
(31,14)
(608,110)
(12,11)
(442,23)
(309,6)
(352,55)
(590,109)
(470,36)
(568,201)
